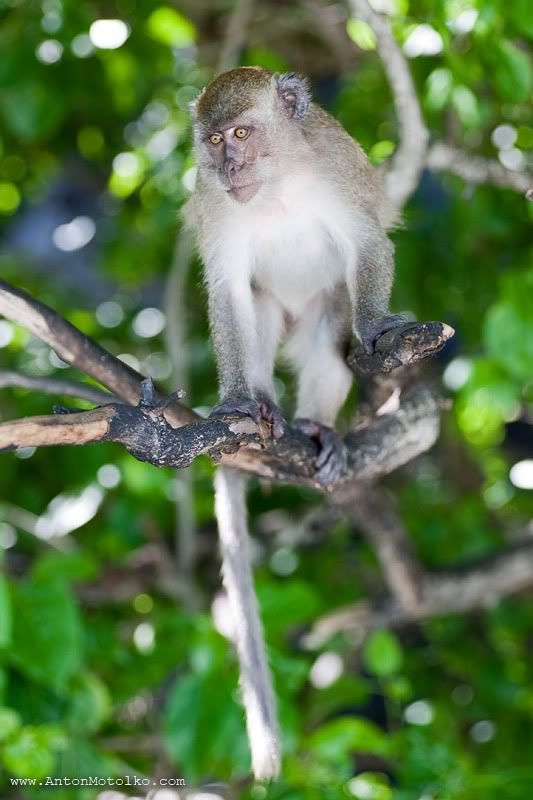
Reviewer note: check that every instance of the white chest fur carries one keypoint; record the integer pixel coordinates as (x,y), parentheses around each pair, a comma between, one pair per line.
(293,244)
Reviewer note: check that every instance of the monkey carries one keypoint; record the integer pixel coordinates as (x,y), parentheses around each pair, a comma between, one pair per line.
(291,221)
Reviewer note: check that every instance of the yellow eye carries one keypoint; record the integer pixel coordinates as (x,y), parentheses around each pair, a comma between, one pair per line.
(215,138)
(242,133)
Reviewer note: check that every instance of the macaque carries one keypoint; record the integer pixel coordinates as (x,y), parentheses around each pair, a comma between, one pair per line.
(291,225)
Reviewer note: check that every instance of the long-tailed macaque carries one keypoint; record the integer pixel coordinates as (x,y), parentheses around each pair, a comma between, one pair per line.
(290,219)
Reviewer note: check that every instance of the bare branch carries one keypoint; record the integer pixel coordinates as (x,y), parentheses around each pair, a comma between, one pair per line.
(375,449)
(469,588)
(371,510)
(80,428)
(57,386)
(176,346)
(402,346)
(79,350)
(475,169)
(235,36)
(403,173)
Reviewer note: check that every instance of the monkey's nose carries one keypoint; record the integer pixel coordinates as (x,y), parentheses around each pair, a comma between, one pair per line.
(231,169)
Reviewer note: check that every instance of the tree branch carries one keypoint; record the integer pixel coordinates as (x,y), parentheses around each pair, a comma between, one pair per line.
(381,446)
(175,341)
(57,386)
(475,169)
(235,35)
(403,172)
(468,588)
(79,350)
(371,510)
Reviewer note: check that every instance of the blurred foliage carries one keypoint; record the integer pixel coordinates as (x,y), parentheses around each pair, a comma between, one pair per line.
(94,162)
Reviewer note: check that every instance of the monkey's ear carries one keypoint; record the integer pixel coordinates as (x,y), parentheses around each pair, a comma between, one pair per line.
(294,93)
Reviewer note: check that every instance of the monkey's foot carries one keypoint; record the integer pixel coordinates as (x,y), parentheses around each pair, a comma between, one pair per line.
(331,460)
(371,333)
(258,410)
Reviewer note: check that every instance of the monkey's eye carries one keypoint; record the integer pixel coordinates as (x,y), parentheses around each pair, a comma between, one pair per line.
(242,133)
(215,138)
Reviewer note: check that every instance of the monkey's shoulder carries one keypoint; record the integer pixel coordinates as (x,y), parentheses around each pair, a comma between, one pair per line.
(325,134)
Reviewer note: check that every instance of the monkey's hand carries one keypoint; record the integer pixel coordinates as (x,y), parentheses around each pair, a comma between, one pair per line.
(371,332)
(331,460)
(259,410)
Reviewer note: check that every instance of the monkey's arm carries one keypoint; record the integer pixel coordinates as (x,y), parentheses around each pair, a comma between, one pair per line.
(233,335)
(370,283)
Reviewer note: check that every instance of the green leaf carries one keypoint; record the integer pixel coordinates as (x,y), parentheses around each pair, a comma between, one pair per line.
(361,33)
(286,603)
(382,653)
(521,12)
(509,341)
(204,729)
(47,636)
(78,566)
(5,613)
(370,786)
(32,752)
(168,26)
(335,741)
(466,104)
(267,58)
(513,74)
(90,703)
(32,110)
(9,723)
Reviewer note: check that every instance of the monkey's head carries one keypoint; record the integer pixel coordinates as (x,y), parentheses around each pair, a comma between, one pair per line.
(242,120)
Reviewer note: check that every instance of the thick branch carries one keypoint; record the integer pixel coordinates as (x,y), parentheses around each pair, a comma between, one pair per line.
(376,449)
(56,386)
(79,350)
(469,588)
(403,174)
(475,169)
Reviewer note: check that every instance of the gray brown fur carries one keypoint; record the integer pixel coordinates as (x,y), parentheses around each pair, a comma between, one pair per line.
(291,220)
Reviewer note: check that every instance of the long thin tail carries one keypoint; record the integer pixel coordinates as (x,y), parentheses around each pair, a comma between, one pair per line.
(256,680)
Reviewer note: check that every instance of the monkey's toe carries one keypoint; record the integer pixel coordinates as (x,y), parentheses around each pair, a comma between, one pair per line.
(331,461)
(258,410)
(273,414)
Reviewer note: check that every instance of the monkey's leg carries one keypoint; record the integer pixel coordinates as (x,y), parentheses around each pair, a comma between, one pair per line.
(256,680)
(260,350)
(324,381)
(370,284)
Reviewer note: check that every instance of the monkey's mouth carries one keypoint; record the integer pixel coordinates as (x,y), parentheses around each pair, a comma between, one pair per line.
(243,193)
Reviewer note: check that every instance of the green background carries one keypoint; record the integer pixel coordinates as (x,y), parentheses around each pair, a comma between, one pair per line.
(110,663)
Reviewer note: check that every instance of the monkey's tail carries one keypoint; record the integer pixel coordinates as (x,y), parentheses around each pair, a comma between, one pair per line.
(256,680)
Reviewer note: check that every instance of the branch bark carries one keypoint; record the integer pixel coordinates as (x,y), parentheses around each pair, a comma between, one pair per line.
(403,172)
(79,350)
(371,511)
(475,169)
(57,386)
(235,36)
(466,589)
(376,449)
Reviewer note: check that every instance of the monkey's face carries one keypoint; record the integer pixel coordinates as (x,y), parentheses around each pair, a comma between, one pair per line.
(242,120)
(237,152)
